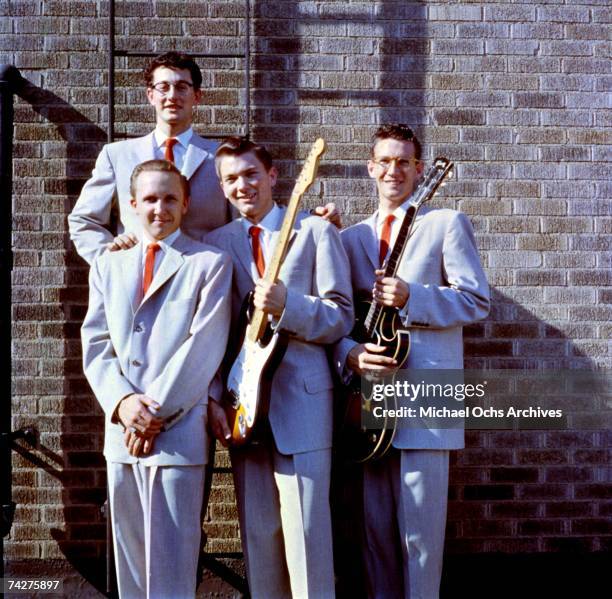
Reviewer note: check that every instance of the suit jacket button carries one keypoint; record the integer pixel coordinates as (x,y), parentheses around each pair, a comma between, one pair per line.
(136,363)
(138,329)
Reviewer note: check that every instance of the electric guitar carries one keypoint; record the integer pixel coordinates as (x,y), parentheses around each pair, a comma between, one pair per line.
(262,349)
(381,325)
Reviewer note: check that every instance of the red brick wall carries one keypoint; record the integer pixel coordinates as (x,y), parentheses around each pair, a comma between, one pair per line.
(515,92)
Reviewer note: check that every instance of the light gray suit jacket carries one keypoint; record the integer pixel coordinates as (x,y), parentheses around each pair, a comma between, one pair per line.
(318,311)
(90,219)
(448,290)
(167,346)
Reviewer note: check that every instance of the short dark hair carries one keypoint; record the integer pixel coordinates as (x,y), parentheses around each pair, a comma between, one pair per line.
(174,60)
(397,131)
(236,146)
(161,166)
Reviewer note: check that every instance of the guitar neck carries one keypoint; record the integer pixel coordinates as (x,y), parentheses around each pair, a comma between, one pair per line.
(376,309)
(259,318)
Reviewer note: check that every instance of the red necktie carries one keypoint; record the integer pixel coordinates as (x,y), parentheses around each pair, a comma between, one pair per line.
(385,237)
(149,267)
(169,152)
(258,257)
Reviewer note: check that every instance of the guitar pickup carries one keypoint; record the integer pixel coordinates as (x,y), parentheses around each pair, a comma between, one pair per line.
(234,398)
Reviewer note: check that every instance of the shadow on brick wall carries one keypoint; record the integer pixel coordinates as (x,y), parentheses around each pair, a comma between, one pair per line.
(75,461)
(510,492)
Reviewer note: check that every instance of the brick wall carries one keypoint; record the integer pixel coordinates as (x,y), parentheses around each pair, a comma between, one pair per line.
(517,93)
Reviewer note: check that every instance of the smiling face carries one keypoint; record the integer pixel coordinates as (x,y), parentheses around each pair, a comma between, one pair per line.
(160,203)
(174,108)
(247,185)
(397,176)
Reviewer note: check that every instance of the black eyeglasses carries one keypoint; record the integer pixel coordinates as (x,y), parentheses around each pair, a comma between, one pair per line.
(402,163)
(181,87)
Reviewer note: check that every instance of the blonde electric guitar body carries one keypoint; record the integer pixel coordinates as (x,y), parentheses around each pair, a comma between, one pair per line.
(250,380)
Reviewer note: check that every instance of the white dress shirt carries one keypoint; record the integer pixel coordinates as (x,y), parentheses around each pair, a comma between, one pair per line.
(399,213)
(179,149)
(269,224)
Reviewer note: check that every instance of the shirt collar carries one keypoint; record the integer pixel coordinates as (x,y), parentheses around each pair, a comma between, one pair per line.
(269,223)
(164,243)
(184,138)
(399,214)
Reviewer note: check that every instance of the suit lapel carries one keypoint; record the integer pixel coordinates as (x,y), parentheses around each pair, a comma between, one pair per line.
(369,242)
(144,150)
(423,210)
(130,265)
(172,261)
(242,249)
(196,154)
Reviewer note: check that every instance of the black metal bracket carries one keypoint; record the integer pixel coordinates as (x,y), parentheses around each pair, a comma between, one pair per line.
(6,518)
(7,513)
(6,259)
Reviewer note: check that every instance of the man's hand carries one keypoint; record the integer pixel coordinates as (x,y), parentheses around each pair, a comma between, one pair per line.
(134,412)
(328,213)
(367,358)
(390,291)
(125,241)
(138,444)
(217,422)
(270,297)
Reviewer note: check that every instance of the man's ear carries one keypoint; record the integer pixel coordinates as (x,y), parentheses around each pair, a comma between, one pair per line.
(133,202)
(420,167)
(371,166)
(273,174)
(186,201)
(150,91)
(198,96)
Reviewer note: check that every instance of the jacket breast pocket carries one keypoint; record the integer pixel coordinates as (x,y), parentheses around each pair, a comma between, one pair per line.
(178,304)
(318,383)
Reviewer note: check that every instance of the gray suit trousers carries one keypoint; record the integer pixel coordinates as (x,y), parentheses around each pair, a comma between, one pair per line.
(405,515)
(156,529)
(285,521)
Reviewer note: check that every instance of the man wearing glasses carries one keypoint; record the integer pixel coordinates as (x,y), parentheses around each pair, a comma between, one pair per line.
(173,88)
(439,288)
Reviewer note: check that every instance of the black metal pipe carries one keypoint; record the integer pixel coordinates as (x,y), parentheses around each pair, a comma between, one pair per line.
(111,72)
(10,81)
(247,68)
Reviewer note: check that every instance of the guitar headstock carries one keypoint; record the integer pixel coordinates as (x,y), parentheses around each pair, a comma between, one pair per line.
(309,170)
(433,179)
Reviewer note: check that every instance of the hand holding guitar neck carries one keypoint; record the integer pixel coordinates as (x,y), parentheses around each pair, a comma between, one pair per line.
(390,291)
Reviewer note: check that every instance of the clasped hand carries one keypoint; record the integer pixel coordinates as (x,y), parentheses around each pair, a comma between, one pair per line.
(136,413)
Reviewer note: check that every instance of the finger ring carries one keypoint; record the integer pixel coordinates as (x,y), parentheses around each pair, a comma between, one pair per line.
(132,429)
